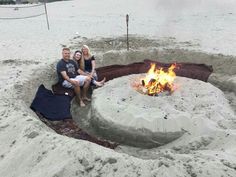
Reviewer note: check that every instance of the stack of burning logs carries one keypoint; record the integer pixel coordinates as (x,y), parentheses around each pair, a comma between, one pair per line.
(152,88)
(157,81)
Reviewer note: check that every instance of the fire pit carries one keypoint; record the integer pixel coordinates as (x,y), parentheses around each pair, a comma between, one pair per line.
(156,81)
(127,111)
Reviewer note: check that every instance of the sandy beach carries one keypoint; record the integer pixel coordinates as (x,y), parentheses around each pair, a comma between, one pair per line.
(163,30)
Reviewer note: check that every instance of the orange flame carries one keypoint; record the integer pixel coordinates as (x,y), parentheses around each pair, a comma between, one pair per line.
(157,80)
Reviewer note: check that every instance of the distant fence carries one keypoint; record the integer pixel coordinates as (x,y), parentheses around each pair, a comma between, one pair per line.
(19,11)
(7,2)
(4,2)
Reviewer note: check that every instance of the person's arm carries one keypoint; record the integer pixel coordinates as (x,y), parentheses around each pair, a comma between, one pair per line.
(93,67)
(81,72)
(66,77)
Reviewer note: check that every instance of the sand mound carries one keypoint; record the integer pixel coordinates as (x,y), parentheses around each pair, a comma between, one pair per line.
(122,114)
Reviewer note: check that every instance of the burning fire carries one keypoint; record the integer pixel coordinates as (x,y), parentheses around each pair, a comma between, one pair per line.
(157,80)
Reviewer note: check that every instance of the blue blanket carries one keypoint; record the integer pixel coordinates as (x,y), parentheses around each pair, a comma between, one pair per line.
(52,107)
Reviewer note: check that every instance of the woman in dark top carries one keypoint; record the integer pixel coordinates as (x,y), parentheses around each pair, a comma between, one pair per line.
(86,68)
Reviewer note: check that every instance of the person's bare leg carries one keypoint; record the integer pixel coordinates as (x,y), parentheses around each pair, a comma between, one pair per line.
(85,89)
(77,92)
(100,83)
(103,81)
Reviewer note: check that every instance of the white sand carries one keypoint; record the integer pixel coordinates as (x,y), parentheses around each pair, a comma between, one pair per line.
(205,24)
(28,55)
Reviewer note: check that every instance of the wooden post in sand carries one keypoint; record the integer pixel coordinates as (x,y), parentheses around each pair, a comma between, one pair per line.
(46,13)
(127,24)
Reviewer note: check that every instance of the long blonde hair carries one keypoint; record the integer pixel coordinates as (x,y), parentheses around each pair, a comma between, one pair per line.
(82,58)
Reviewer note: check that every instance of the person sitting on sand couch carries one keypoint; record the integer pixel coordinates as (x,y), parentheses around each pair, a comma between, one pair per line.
(69,77)
(87,65)
(78,59)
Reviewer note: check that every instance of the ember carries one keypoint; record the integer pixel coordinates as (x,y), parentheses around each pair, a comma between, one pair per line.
(158,80)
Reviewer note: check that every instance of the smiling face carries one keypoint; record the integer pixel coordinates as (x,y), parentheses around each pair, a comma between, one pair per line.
(85,51)
(77,56)
(66,54)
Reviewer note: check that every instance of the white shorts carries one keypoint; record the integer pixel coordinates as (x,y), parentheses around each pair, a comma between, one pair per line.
(81,79)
